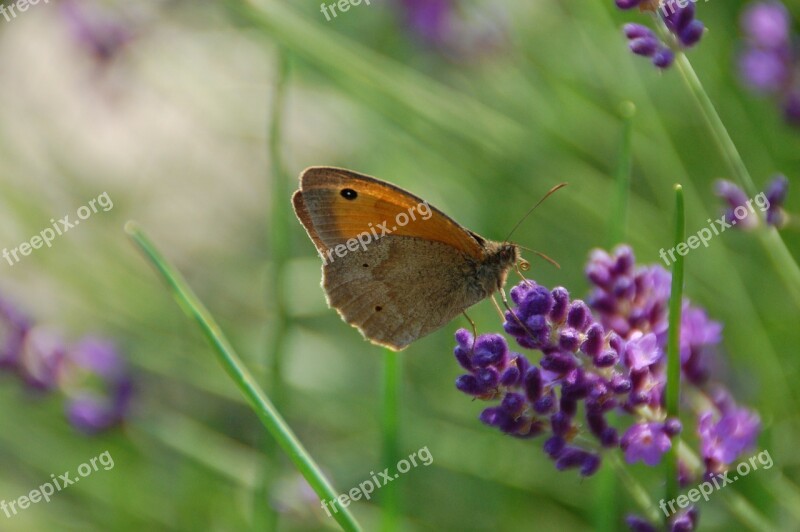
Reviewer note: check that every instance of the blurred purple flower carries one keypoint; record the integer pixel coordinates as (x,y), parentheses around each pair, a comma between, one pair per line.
(96,380)
(764,70)
(465,33)
(767,24)
(430,19)
(722,441)
(768,63)
(771,199)
(13,327)
(775,193)
(102,34)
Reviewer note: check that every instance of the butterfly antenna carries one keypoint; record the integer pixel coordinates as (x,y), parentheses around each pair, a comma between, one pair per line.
(549,193)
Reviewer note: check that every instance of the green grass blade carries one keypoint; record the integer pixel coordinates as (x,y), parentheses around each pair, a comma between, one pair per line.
(241,376)
(673,389)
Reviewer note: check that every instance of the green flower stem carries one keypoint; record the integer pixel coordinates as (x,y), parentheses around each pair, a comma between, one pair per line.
(241,376)
(392,372)
(673,389)
(785,264)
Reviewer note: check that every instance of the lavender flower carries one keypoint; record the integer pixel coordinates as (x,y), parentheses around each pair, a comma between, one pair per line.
(597,357)
(724,439)
(97,382)
(683,521)
(773,195)
(776,191)
(767,25)
(768,63)
(464,33)
(13,328)
(102,35)
(685,30)
(91,374)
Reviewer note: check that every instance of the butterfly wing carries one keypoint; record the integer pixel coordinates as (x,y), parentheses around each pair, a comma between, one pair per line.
(335,205)
(399,289)
(410,280)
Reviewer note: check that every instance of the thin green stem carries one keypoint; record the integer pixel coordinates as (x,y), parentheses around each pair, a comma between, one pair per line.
(243,379)
(785,264)
(673,386)
(392,379)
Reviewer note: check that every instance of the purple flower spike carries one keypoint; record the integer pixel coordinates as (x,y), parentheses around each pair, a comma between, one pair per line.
(767,24)
(603,358)
(646,442)
(645,46)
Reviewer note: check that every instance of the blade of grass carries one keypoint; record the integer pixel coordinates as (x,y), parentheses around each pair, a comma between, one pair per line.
(785,264)
(673,386)
(242,377)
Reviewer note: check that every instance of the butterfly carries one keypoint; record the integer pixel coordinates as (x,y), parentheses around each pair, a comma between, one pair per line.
(393,266)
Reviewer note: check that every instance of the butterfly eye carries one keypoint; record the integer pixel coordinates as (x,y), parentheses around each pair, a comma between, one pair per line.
(349,194)
(524,265)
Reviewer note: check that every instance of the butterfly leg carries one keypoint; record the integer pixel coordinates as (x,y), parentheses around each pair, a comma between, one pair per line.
(474,329)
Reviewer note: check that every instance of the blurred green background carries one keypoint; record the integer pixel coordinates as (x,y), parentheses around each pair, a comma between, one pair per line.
(179,127)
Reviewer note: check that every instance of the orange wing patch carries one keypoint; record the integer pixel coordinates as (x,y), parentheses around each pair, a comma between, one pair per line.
(335,205)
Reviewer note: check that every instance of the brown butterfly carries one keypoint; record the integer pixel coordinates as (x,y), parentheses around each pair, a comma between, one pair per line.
(394,267)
